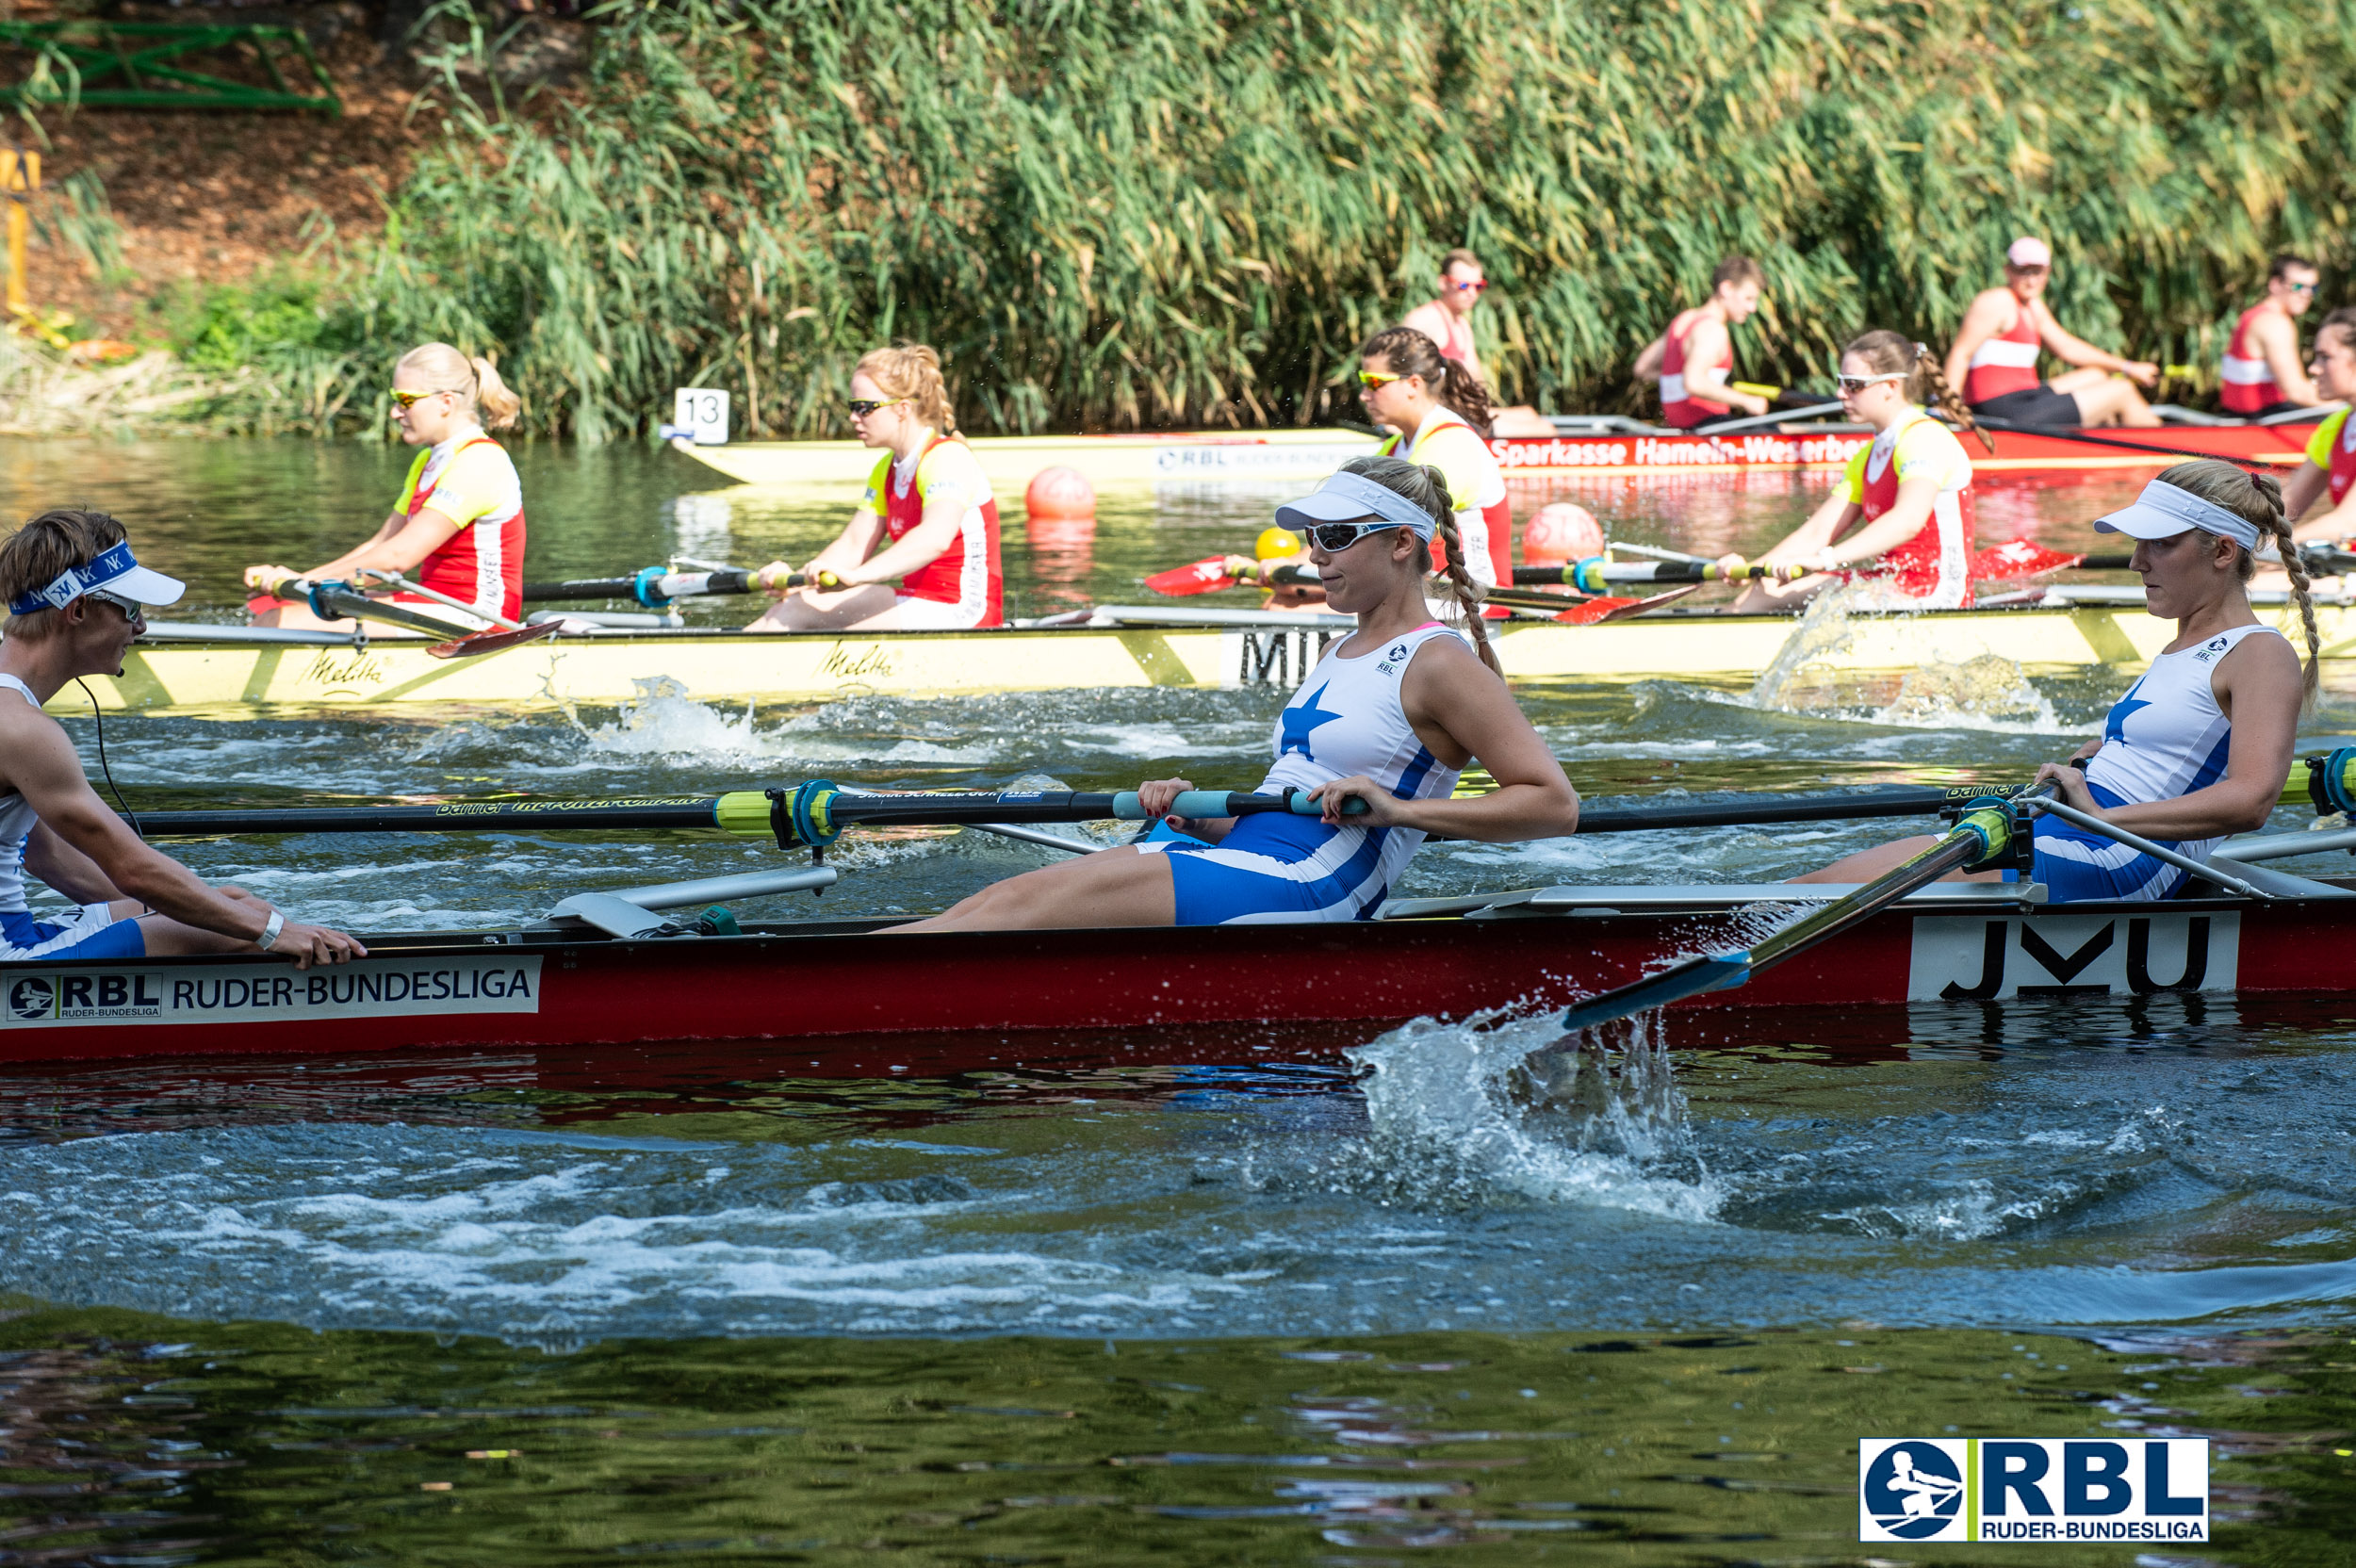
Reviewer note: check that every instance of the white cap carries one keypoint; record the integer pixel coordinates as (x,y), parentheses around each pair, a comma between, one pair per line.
(2026,251)
(2163,512)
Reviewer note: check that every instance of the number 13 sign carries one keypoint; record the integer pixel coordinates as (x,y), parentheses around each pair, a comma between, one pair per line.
(702,415)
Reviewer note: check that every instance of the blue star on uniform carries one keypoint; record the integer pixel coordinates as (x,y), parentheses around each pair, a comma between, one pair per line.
(2124,709)
(1300,721)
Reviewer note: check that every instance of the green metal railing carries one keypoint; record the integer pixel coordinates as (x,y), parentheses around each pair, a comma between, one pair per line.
(125,65)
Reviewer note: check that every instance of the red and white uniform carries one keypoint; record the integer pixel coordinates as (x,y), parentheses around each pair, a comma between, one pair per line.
(2332,448)
(2006,363)
(2249,383)
(1476,491)
(1932,570)
(470,479)
(1452,332)
(1676,408)
(962,587)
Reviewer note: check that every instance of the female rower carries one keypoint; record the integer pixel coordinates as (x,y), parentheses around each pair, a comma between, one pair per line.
(2199,747)
(1388,717)
(1910,489)
(928,519)
(458,528)
(1437,413)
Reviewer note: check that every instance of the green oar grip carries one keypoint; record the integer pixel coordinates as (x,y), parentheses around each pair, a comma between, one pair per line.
(1988,819)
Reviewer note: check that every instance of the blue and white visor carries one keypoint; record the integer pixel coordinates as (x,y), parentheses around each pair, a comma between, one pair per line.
(2163,512)
(1348,498)
(115,570)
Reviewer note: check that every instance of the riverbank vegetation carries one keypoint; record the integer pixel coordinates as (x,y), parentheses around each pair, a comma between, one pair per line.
(1186,213)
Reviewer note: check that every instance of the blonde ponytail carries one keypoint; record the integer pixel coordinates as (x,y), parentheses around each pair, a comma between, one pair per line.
(442,369)
(493,401)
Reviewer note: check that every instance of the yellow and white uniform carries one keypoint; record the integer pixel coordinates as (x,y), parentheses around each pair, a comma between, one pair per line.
(470,479)
(1932,570)
(1475,485)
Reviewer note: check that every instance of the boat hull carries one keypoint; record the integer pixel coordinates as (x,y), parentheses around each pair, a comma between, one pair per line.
(1537,951)
(229,680)
(1298,456)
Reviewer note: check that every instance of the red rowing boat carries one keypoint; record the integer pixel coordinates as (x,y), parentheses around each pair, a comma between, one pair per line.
(547,986)
(2017,451)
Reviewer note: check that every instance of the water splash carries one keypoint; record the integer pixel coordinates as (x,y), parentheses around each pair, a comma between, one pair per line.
(1989,692)
(1984,691)
(1467,1113)
(663,721)
(1822,631)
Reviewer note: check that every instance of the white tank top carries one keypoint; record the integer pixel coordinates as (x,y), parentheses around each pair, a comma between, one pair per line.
(17,821)
(2166,737)
(1347,719)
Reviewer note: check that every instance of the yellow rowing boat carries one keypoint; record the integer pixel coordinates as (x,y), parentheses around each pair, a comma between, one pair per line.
(231,672)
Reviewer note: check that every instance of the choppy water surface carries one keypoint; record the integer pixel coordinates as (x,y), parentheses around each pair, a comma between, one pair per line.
(1250,1296)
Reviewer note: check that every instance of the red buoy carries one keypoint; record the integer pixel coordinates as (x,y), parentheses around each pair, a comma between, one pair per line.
(1560,532)
(1060,493)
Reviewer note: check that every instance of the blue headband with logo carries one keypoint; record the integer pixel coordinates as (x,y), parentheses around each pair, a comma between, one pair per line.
(116,568)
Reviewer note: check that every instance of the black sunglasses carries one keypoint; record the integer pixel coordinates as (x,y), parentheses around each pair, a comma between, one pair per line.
(1333,538)
(862,407)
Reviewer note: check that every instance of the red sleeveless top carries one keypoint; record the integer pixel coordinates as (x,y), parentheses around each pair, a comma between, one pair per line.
(1676,407)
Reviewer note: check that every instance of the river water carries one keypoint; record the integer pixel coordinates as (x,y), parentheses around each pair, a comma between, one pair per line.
(1298,1297)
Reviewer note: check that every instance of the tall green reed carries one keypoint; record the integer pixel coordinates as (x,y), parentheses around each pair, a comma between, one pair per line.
(1183,212)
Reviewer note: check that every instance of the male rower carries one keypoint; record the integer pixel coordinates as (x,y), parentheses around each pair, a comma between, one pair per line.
(77,600)
(2262,372)
(1995,352)
(1447,319)
(1690,359)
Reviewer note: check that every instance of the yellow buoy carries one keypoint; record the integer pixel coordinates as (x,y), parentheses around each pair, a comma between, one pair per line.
(1275,543)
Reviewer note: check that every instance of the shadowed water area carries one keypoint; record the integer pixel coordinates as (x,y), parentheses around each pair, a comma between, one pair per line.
(1277,1294)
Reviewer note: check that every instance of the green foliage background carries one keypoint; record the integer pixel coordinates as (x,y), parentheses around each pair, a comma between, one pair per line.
(1178,212)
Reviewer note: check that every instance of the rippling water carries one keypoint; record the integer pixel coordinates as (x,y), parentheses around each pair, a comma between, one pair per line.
(1267,1295)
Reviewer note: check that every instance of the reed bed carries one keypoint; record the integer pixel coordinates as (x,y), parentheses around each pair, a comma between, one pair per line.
(1185,212)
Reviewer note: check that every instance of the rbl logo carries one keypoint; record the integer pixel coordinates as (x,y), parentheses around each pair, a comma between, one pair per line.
(2033,1489)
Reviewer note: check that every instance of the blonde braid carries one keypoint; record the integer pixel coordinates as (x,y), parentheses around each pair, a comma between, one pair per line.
(2279,527)
(1467,590)
(1935,383)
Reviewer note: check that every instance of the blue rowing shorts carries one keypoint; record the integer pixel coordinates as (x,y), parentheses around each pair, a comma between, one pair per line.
(2077,867)
(1276,868)
(92,933)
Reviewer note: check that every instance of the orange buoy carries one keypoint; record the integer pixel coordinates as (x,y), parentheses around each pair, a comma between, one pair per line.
(1560,532)
(1061,492)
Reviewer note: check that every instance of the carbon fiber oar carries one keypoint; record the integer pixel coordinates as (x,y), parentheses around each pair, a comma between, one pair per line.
(809,815)
(1980,836)
(1588,575)
(655,587)
(339,601)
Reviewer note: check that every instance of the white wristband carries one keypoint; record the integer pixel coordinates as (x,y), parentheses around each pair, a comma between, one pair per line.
(269,938)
